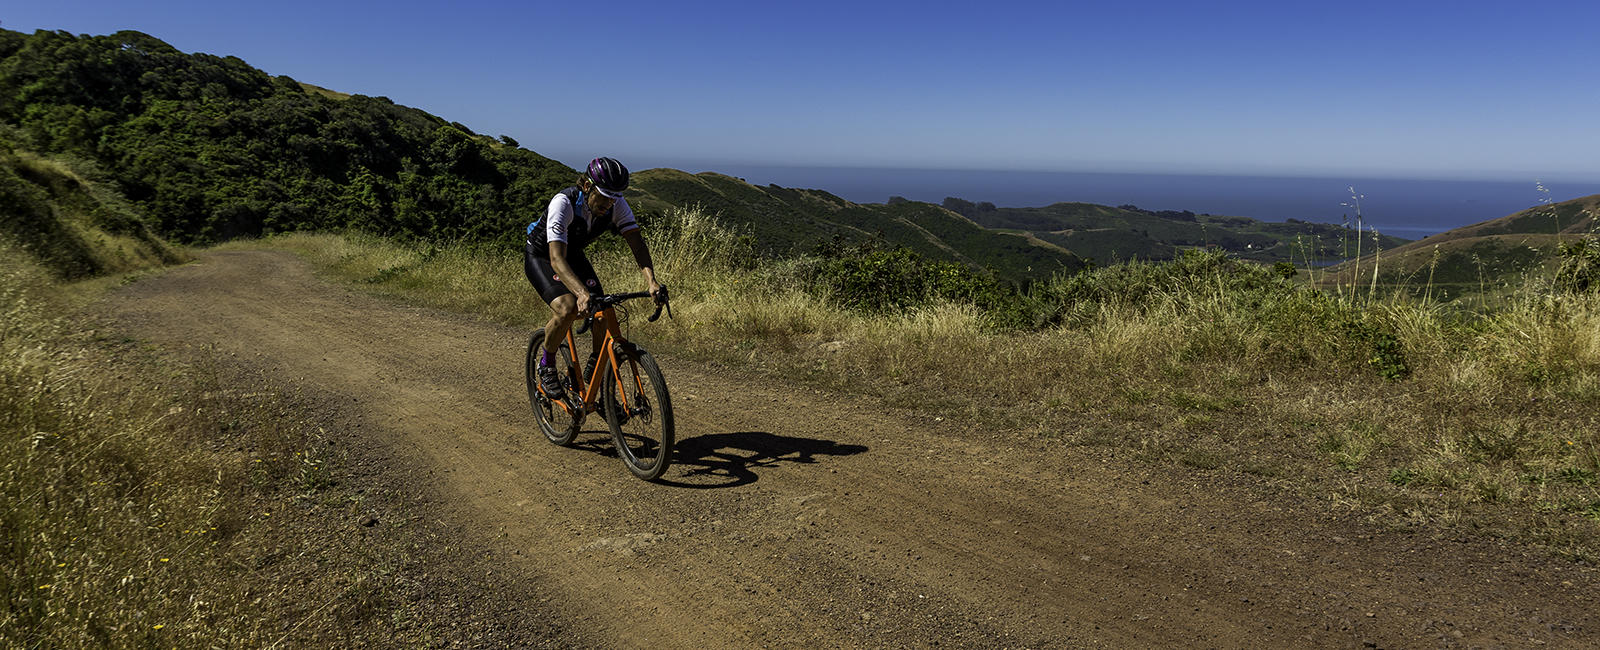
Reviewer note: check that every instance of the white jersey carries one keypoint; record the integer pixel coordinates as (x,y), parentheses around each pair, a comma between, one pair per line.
(564,221)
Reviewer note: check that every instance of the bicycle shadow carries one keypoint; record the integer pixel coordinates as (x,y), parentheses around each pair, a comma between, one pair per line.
(725,460)
(729,459)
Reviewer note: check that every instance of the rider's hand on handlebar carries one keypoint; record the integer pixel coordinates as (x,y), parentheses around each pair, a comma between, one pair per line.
(659,293)
(583,303)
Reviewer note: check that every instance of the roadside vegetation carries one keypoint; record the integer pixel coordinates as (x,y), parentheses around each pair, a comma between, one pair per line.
(1416,412)
(64,214)
(141,494)
(149,500)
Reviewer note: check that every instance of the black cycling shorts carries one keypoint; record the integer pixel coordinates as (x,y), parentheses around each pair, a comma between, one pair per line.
(542,274)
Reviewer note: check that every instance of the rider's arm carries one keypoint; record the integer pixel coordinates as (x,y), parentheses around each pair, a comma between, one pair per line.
(622,219)
(641,254)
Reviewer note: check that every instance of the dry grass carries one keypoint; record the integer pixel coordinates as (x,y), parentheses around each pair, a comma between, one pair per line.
(147,503)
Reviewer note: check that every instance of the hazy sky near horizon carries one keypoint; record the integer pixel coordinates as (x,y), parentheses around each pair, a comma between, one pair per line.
(1484,89)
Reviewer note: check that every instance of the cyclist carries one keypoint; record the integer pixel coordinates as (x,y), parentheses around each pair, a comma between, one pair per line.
(556,266)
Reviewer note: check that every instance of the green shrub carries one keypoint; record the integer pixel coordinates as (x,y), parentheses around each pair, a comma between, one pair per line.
(1385,353)
(878,280)
(1580,265)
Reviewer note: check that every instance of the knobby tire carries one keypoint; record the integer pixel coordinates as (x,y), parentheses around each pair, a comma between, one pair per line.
(559,425)
(640,420)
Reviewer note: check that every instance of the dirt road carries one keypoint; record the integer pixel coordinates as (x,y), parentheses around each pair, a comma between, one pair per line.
(795,518)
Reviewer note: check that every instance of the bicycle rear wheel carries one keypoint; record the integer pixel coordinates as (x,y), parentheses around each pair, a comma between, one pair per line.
(559,420)
(639,410)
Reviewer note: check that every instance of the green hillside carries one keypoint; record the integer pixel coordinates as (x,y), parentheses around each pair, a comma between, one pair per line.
(211,148)
(1487,256)
(1110,234)
(786,221)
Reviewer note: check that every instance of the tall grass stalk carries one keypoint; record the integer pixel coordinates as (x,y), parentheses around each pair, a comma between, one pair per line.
(1433,265)
(1549,205)
(1355,202)
(1377,257)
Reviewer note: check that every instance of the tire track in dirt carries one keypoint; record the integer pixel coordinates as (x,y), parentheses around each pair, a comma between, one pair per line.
(797,518)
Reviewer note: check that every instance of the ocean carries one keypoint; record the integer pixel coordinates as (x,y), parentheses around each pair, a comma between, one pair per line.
(1407,208)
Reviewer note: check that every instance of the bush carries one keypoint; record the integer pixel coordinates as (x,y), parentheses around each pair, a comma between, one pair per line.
(1580,265)
(1075,300)
(1220,308)
(878,280)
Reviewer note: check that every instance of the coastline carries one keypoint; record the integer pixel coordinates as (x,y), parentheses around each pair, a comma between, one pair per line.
(1410,208)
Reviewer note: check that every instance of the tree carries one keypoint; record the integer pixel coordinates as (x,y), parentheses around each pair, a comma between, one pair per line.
(959,206)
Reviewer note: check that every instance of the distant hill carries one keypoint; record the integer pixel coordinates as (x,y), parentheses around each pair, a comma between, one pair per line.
(1494,252)
(787,221)
(1111,234)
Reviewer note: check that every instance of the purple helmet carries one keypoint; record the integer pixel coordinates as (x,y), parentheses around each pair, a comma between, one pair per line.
(609,176)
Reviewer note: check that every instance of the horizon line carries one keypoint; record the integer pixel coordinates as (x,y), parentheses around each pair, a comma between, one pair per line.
(712,165)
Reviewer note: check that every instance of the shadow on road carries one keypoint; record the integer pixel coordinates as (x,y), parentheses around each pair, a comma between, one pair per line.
(724,460)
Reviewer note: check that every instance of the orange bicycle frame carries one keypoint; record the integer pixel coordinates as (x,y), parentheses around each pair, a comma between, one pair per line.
(590,395)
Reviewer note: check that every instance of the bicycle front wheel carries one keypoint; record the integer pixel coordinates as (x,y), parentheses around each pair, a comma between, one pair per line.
(639,410)
(558,419)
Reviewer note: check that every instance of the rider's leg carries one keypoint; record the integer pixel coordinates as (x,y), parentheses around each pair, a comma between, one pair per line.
(563,306)
(564,310)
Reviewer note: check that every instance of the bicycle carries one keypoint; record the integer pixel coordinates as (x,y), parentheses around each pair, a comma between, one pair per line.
(640,417)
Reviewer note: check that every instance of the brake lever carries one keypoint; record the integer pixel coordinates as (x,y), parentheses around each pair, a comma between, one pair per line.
(588,318)
(656,315)
(661,301)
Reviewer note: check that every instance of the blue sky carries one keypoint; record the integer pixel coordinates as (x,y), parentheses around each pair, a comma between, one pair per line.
(1413,89)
